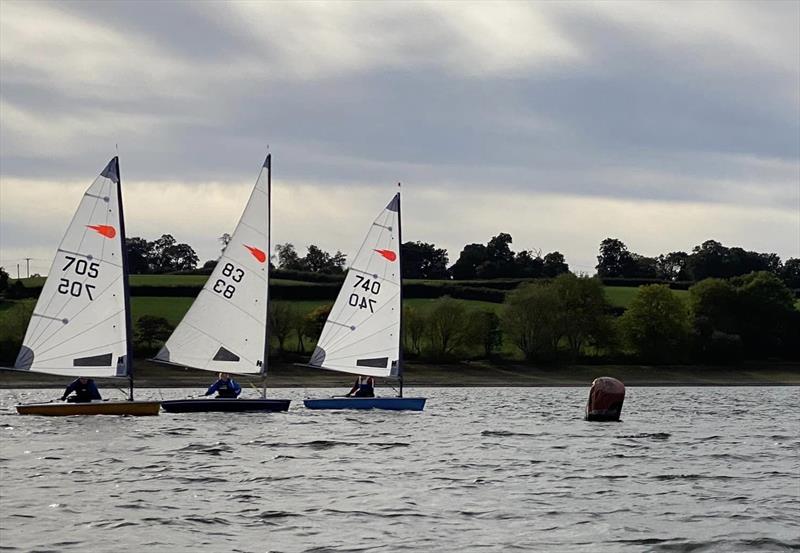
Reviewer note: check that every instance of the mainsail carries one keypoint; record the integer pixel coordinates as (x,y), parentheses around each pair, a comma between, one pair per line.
(225,328)
(79,326)
(362,333)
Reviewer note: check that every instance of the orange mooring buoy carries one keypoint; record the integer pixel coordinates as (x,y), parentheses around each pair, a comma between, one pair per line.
(605,399)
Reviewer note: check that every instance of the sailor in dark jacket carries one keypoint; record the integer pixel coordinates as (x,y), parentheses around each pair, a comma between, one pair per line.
(226,387)
(85,390)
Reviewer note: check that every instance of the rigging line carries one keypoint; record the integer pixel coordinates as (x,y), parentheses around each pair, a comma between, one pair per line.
(80,352)
(35,340)
(248,225)
(60,247)
(81,333)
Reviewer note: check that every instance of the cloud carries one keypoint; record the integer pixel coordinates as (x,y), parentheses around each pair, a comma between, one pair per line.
(693,107)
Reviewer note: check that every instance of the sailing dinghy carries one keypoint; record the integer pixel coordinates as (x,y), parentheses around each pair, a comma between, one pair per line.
(81,325)
(225,329)
(362,335)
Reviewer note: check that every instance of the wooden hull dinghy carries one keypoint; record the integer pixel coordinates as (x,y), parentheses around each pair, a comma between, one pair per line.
(58,409)
(81,325)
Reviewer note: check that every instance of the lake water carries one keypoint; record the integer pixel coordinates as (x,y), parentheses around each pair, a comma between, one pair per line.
(497,469)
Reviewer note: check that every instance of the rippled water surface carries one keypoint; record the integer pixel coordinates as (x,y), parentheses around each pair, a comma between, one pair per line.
(499,469)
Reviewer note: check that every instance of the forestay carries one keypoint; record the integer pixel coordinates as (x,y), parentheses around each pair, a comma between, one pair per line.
(362,333)
(224,330)
(79,325)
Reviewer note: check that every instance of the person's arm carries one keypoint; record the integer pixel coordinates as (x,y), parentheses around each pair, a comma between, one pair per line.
(236,388)
(353,389)
(371,381)
(68,390)
(93,391)
(212,388)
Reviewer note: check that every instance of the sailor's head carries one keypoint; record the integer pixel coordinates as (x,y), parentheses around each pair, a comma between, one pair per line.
(83,379)
(224,376)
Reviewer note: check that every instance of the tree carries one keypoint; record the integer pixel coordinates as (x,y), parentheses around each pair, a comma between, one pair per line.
(140,255)
(672,266)
(656,324)
(715,332)
(152,330)
(583,311)
(614,261)
(484,329)
(423,260)
(180,257)
(315,320)
(554,265)
(766,314)
(414,327)
(288,259)
(3,279)
(281,323)
(225,239)
(210,265)
(528,264)
(531,320)
(790,274)
(446,327)
(319,261)
(472,256)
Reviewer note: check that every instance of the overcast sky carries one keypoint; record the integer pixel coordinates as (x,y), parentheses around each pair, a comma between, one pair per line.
(662,124)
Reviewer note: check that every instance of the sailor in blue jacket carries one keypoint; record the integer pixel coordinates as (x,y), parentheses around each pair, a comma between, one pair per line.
(85,390)
(226,387)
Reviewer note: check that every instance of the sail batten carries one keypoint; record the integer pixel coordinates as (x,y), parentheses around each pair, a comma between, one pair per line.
(82,303)
(362,333)
(225,328)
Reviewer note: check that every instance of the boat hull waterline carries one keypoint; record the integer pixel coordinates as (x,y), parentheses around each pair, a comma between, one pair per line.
(224,405)
(386,403)
(133,408)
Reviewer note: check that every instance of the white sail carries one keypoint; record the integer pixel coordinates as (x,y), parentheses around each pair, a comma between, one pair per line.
(79,325)
(225,328)
(362,333)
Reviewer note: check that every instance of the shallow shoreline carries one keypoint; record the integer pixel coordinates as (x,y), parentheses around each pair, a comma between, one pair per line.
(474,374)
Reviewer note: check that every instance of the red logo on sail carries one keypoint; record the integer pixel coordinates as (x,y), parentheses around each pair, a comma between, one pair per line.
(388,254)
(103,230)
(258,254)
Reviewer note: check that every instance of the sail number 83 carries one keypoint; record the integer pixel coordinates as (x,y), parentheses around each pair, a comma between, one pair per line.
(359,299)
(222,287)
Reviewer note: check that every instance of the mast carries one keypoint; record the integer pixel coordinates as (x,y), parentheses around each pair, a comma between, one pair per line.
(265,362)
(400,269)
(125,284)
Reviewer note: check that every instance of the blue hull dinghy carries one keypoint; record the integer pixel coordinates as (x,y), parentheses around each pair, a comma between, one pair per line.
(386,403)
(363,332)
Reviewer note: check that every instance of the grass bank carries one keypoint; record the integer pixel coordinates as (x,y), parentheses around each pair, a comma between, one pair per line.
(149,375)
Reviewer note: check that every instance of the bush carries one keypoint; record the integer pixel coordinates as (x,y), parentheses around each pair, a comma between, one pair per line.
(446,327)
(150,333)
(531,320)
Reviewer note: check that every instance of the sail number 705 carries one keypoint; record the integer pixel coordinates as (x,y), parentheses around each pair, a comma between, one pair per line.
(81,267)
(361,301)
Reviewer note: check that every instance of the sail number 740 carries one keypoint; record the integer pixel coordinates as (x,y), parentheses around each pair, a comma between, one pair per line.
(368,285)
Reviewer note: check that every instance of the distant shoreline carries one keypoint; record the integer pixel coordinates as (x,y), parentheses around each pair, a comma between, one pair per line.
(465,375)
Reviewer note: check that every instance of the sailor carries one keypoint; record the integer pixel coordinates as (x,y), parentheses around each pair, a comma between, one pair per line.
(225,386)
(364,387)
(85,391)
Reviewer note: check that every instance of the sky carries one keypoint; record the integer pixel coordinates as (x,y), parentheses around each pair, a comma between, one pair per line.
(561,123)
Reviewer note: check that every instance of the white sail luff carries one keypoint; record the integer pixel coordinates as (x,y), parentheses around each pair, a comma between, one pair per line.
(362,333)
(78,326)
(224,329)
